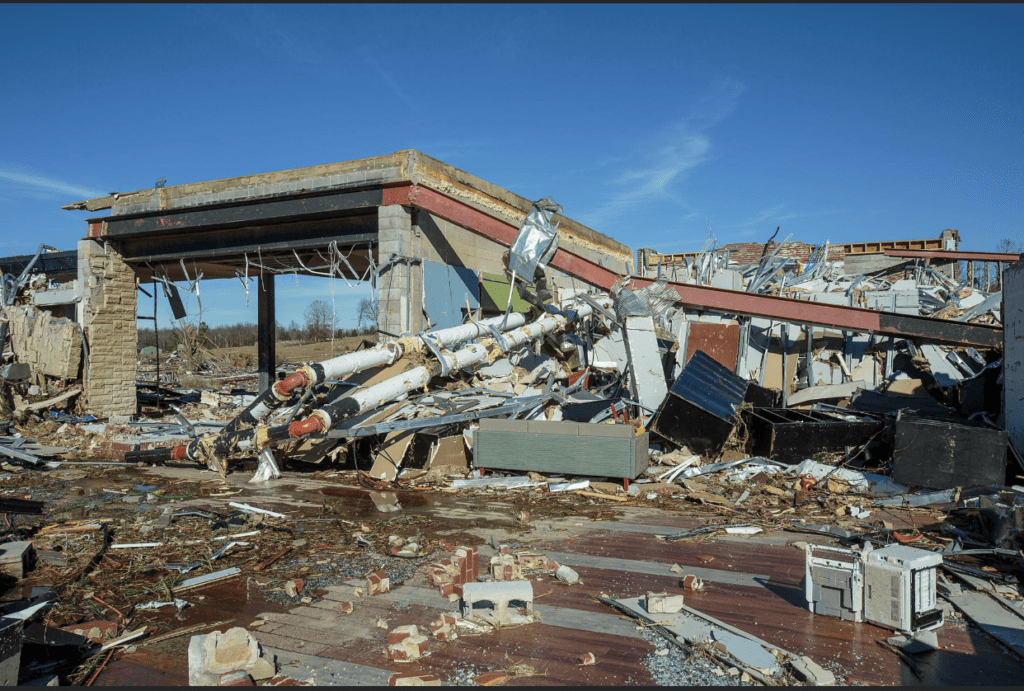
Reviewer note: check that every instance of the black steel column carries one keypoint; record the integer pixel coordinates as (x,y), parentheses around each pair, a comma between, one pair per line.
(266,338)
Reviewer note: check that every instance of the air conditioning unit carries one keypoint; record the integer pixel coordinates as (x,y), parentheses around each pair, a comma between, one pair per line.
(892,587)
(834,583)
(899,588)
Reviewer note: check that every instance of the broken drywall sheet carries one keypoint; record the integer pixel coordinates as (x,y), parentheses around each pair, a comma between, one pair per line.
(389,458)
(449,453)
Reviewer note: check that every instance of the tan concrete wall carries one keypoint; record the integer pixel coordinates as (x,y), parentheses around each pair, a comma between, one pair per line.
(416,235)
(48,345)
(108,314)
(393,285)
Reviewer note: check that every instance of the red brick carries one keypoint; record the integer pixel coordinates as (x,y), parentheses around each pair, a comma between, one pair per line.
(491,678)
(398,654)
(237,678)
(398,637)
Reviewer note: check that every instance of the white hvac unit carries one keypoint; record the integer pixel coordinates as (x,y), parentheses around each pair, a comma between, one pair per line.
(893,586)
(834,583)
(899,588)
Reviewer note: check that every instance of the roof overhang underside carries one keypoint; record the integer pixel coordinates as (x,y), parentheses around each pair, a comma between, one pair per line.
(292,221)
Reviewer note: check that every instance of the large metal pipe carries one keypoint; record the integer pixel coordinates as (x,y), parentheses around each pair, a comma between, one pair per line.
(374,396)
(387,353)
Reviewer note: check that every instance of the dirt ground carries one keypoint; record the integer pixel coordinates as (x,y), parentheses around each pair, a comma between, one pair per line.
(294,352)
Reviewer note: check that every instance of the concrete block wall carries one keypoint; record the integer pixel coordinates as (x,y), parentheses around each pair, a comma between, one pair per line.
(439,240)
(417,235)
(396,281)
(108,310)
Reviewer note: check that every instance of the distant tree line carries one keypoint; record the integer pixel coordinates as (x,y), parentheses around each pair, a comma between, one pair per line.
(319,322)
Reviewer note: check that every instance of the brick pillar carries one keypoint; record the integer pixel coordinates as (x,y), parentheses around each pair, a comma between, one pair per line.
(108,311)
(399,286)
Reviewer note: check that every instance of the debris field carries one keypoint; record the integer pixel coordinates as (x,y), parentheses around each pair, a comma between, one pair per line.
(604,487)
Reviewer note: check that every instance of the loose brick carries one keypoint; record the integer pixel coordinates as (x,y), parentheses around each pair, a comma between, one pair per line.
(400,633)
(237,678)
(413,679)
(490,678)
(377,583)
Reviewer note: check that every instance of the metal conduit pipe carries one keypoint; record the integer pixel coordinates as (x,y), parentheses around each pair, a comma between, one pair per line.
(372,397)
(308,376)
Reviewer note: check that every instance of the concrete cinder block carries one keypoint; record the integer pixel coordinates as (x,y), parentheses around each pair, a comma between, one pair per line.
(17,558)
(505,597)
(663,603)
(212,655)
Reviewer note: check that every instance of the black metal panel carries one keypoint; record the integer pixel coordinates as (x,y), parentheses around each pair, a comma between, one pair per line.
(586,410)
(791,436)
(941,330)
(943,455)
(699,411)
(249,214)
(266,346)
(210,244)
(875,402)
(50,263)
(761,396)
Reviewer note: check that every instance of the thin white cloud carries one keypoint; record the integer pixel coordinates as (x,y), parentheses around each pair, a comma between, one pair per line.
(676,150)
(50,185)
(777,214)
(773,213)
(389,81)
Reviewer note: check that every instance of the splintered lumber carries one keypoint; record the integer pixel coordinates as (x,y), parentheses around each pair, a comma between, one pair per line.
(41,405)
(267,562)
(598,495)
(185,631)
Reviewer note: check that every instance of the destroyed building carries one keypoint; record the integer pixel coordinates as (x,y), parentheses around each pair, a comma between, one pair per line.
(744,392)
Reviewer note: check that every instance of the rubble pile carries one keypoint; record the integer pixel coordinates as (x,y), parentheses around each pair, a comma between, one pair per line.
(586,406)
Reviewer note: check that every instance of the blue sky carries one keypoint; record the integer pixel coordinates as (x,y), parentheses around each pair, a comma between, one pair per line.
(844,123)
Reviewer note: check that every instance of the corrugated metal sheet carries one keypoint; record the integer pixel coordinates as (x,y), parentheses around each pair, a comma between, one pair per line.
(710,386)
